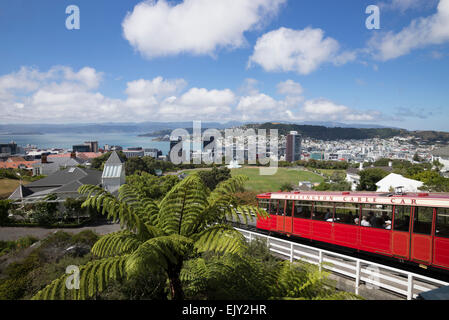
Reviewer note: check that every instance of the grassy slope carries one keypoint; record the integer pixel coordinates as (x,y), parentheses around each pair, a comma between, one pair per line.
(259,183)
(7,186)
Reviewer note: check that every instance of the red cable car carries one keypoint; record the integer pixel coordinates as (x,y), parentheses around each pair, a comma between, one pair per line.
(409,227)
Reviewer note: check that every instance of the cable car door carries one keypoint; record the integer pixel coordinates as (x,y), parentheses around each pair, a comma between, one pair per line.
(421,241)
(401,232)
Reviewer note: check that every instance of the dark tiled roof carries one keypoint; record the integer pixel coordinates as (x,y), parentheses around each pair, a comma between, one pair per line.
(63,181)
(20,192)
(60,177)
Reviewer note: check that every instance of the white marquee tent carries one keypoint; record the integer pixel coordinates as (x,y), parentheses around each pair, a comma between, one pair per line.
(393,181)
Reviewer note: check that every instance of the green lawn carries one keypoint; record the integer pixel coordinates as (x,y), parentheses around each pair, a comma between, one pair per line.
(259,183)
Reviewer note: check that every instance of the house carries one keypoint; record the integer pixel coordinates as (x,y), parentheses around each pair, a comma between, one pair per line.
(353,177)
(394,181)
(442,155)
(113,173)
(17,163)
(50,164)
(63,183)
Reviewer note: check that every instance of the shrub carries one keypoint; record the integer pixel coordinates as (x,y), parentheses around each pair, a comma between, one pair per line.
(5,205)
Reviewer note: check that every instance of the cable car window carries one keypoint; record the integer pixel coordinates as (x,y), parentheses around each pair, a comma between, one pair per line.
(289,208)
(422,220)
(347,213)
(402,218)
(281,206)
(376,216)
(273,207)
(302,209)
(264,204)
(323,211)
(442,227)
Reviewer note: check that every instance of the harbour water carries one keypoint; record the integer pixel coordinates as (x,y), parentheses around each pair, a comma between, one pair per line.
(66,141)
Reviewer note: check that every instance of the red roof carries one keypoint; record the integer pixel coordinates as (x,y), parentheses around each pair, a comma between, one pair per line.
(16,163)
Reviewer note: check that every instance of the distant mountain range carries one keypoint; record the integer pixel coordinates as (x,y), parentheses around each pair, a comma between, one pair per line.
(144,127)
(317,130)
(139,128)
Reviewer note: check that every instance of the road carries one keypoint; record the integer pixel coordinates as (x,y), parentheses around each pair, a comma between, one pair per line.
(14,233)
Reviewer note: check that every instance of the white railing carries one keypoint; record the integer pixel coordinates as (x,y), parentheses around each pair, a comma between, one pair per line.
(373,275)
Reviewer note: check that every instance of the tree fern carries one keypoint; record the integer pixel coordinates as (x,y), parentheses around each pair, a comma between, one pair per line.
(172,236)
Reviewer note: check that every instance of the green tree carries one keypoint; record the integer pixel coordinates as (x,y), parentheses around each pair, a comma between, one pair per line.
(5,205)
(151,186)
(73,207)
(45,212)
(213,177)
(286,187)
(158,237)
(369,177)
(433,181)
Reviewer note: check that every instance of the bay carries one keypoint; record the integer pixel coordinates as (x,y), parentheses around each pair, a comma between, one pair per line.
(67,141)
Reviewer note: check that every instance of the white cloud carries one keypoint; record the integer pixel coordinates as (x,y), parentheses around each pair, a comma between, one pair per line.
(198,103)
(158,87)
(199,27)
(302,51)
(327,110)
(290,88)
(86,76)
(404,5)
(421,32)
(64,95)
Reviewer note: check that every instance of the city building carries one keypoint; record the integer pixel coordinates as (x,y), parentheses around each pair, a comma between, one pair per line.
(88,146)
(81,148)
(134,152)
(177,145)
(293,147)
(151,152)
(93,145)
(8,149)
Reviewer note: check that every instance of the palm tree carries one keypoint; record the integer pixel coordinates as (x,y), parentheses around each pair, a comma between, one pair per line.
(158,237)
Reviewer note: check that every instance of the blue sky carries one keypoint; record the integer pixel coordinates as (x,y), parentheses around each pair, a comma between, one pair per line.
(252,60)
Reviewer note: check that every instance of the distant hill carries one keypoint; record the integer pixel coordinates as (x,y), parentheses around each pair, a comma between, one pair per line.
(336,133)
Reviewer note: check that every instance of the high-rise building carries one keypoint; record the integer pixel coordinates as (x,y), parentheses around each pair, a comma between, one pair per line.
(81,148)
(93,145)
(175,143)
(293,147)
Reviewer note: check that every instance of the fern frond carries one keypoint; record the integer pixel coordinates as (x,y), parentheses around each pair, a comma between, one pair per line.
(220,239)
(114,244)
(160,252)
(182,206)
(93,279)
(144,207)
(107,204)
